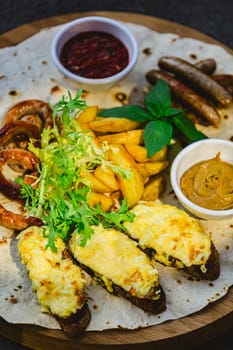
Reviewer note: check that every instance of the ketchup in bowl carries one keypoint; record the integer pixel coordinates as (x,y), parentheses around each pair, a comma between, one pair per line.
(94,54)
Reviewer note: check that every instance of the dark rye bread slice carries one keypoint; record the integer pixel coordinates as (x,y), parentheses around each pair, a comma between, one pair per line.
(152,306)
(77,323)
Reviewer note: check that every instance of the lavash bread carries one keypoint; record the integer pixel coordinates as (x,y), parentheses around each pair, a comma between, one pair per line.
(28,72)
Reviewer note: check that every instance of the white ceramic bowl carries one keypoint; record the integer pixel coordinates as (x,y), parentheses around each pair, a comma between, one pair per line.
(95,23)
(194,153)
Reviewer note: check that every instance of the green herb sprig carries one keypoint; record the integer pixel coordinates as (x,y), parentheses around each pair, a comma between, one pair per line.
(60,196)
(160,117)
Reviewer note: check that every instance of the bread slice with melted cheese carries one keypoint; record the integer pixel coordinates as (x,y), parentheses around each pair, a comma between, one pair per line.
(174,238)
(57,281)
(115,261)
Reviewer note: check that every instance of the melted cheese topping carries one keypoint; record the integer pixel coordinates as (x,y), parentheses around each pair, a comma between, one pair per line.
(115,257)
(170,232)
(56,280)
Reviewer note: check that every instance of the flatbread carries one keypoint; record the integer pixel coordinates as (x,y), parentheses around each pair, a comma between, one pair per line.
(27,71)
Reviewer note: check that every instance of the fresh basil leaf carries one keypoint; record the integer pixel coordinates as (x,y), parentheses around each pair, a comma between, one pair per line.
(157,134)
(170,112)
(185,125)
(133,112)
(158,99)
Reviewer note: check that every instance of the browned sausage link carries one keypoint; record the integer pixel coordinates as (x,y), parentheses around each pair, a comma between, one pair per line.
(192,116)
(191,75)
(225,80)
(207,66)
(32,111)
(25,160)
(18,133)
(16,221)
(187,96)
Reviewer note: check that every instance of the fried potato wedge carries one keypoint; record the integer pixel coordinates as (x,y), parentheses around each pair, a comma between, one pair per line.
(105,125)
(106,202)
(107,176)
(127,137)
(149,169)
(88,115)
(120,157)
(154,188)
(139,153)
(96,184)
(132,188)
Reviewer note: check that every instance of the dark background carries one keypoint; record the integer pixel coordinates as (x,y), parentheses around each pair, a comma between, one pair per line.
(212,17)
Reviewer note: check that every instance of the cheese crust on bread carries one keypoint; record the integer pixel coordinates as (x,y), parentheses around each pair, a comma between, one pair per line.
(116,259)
(57,281)
(174,237)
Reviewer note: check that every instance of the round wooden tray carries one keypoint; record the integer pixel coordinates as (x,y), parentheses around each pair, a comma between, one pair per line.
(194,329)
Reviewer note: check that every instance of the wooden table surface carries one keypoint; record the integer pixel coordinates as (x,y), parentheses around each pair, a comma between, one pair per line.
(194,329)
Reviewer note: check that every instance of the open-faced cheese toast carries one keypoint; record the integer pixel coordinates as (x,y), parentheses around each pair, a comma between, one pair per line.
(115,261)
(57,281)
(173,238)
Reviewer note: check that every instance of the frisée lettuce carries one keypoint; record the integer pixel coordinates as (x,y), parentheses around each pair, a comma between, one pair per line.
(59,196)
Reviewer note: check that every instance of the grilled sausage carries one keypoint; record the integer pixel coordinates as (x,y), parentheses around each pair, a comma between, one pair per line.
(17,222)
(191,75)
(16,158)
(33,111)
(225,80)
(187,96)
(207,66)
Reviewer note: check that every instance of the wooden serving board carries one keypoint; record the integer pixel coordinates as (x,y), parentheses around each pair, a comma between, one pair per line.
(194,329)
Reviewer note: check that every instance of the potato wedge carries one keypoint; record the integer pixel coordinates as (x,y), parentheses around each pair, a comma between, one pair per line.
(153,168)
(85,126)
(154,187)
(106,202)
(139,153)
(96,184)
(132,189)
(106,125)
(127,137)
(88,115)
(107,176)
(120,157)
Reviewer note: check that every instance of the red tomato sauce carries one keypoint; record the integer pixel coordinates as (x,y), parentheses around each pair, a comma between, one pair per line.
(94,55)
